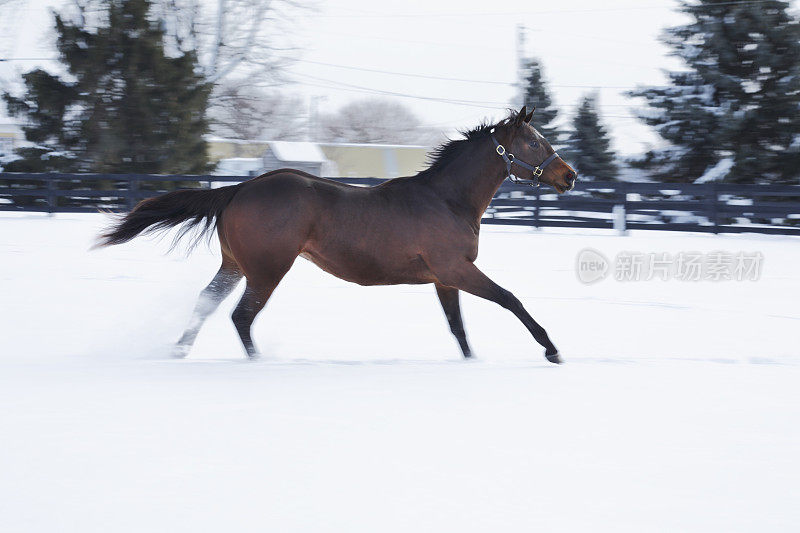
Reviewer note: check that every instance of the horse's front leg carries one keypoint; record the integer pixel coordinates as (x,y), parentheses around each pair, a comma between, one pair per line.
(448,297)
(467,277)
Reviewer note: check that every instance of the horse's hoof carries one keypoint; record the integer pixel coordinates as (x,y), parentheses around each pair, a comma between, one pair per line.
(180,351)
(554,358)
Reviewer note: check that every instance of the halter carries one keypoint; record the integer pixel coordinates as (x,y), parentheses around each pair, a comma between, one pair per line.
(510,160)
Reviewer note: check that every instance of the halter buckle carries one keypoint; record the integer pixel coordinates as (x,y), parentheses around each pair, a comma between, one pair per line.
(538,171)
(500,149)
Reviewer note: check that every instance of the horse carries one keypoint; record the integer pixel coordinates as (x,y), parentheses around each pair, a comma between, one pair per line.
(421,229)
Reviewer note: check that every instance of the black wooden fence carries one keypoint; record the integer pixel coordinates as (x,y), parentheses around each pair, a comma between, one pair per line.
(712,207)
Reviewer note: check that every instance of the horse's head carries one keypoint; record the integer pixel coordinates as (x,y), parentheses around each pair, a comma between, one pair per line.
(534,159)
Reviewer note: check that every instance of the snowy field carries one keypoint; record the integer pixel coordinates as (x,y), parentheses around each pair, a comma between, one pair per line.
(678,408)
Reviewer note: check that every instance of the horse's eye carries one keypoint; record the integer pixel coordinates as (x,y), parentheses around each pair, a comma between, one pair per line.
(535,144)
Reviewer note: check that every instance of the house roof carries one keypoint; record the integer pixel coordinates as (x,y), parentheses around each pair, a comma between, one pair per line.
(307,152)
(238,166)
(376,145)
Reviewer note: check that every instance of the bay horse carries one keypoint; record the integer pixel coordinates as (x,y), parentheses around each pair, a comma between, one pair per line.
(410,230)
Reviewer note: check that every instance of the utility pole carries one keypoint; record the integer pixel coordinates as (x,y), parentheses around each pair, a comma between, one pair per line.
(313,117)
(314,125)
(520,96)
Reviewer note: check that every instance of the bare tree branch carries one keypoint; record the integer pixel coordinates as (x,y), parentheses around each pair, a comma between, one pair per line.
(375,120)
(245,39)
(244,112)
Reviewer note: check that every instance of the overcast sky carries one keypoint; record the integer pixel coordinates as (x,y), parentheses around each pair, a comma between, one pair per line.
(610,45)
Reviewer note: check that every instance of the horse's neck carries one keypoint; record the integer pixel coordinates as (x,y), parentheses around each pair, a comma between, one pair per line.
(472,179)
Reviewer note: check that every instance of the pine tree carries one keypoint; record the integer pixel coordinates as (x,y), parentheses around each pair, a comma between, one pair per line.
(738,100)
(130,108)
(688,116)
(47,126)
(588,145)
(536,95)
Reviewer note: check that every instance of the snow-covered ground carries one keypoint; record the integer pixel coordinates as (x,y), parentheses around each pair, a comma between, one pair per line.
(678,408)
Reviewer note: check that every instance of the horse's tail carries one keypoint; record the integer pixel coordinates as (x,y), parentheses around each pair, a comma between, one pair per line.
(192,207)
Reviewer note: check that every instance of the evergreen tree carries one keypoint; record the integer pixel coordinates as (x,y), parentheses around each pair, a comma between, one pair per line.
(130,108)
(689,117)
(739,99)
(588,145)
(536,95)
(47,124)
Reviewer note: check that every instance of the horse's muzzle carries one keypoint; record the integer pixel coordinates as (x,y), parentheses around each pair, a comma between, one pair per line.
(571,177)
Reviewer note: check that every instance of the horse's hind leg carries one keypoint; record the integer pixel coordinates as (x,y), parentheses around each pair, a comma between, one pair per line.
(256,293)
(220,287)
(449,299)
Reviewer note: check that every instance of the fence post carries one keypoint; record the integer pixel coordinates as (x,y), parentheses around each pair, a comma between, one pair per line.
(619,219)
(52,199)
(133,192)
(620,210)
(711,203)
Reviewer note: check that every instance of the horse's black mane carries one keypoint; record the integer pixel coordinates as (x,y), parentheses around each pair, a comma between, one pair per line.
(446,152)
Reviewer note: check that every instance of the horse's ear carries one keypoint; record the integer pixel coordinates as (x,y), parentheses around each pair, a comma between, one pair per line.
(521,116)
(529,116)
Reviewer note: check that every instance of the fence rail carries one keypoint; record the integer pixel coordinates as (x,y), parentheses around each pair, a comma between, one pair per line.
(717,208)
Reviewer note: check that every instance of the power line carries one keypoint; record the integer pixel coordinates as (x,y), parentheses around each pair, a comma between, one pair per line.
(341,86)
(498,108)
(406,74)
(28,59)
(448,44)
(337,85)
(481,45)
(472,103)
(391,72)
(446,78)
(535,12)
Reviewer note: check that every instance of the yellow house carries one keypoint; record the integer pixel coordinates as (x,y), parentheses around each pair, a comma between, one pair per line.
(219,148)
(342,159)
(10,136)
(375,160)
